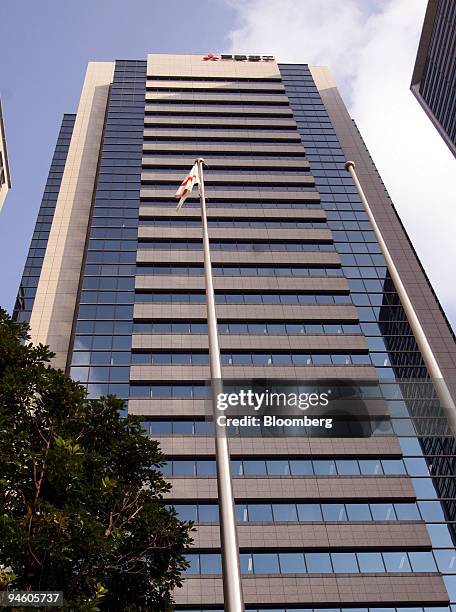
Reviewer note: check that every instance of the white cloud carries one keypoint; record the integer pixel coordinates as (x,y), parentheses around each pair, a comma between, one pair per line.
(370,47)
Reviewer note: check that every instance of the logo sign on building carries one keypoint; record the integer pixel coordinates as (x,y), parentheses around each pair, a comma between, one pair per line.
(213,57)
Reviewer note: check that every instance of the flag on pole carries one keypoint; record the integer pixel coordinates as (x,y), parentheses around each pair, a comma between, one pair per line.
(187,185)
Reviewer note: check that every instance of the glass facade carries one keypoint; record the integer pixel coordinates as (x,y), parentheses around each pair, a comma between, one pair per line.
(382,318)
(363,264)
(32,270)
(300,282)
(102,343)
(433,81)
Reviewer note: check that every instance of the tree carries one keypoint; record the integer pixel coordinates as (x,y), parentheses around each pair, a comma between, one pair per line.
(81,491)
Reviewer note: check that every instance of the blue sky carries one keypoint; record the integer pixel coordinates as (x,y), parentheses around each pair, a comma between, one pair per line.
(45,46)
(370,49)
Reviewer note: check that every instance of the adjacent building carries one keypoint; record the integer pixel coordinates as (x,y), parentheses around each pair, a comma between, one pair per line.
(434,74)
(5,179)
(114,283)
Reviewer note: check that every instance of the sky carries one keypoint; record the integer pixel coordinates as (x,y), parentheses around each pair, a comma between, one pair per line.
(369,45)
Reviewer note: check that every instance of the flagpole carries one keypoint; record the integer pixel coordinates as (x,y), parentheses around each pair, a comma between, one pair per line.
(232,588)
(441,388)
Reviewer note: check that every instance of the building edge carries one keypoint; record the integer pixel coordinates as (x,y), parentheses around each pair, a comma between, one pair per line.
(5,176)
(425,302)
(52,316)
(419,68)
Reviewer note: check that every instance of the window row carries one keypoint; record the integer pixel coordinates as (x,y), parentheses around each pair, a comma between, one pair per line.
(157,188)
(103,327)
(100,374)
(105,358)
(129,297)
(112,245)
(231,298)
(330,148)
(206,428)
(358,248)
(111,153)
(367,285)
(231,223)
(119,174)
(111,257)
(119,194)
(234,89)
(251,169)
(114,220)
(310,512)
(201,142)
(325,160)
(196,245)
(257,328)
(40,226)
(215,91)
(118,283)
(356,226)
(241,271)
(107,297)
(110,269)
(251,204)
(104,342)
(329,563)
(321,138)
(354,236)
(218,78)
(105,312)
(183,427)
(97,390)
(104,209)
(289,467)
(370,299)
(199,390)
(254,359)
(341,215)
(112,233)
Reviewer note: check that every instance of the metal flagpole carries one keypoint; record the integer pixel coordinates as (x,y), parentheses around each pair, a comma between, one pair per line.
(429,359)
(232,589)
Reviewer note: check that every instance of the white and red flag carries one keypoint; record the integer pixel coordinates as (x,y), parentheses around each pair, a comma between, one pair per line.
(187,185)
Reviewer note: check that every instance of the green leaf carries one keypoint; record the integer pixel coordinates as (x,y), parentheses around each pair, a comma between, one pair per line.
(58,451)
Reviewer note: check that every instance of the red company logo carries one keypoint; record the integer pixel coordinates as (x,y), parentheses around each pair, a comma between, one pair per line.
(213,57)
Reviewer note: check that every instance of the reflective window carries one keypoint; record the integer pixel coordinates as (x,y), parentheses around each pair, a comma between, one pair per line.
(309,512)
(422,562)
(301,467)
(260,512)
(370,562)
(284,512)
(292,563)
(383,512)
(396,562)
(407,512)
(211,564)
(446,561)
(318,563)
(334,512)
(345,562)
(265,563)
(358,512)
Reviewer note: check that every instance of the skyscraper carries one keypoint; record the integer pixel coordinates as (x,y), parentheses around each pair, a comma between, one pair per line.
(434,74)
(5,179)
(114,283)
